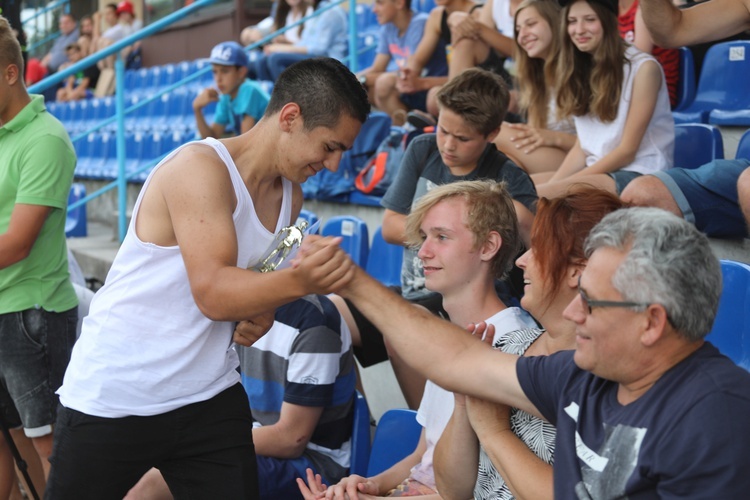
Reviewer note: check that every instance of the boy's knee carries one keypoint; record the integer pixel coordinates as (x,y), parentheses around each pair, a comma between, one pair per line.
(743,193)
(649,191)
(385,85)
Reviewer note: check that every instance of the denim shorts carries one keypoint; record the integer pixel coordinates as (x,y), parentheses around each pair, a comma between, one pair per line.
(622,178)
(707,196)
(35,347)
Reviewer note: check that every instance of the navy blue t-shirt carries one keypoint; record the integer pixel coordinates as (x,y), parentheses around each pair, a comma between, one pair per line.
(687,436)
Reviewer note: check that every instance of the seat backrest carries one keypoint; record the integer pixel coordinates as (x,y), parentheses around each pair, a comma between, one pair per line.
(75,220)
(360,437)
(743,148)
(309,216)
(724,76)
(385,259)
(731,330)
(686,81)
(396,436)
(696,144)
(353,230)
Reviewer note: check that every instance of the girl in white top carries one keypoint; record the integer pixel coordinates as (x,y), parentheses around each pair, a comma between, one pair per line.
(619,102)
(540,145)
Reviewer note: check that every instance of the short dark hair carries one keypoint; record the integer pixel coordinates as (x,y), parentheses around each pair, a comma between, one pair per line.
(324,89)
(479,97)
(10,49)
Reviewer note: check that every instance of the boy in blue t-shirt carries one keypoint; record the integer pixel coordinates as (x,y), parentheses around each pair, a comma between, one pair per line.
(400,33)
(240,102)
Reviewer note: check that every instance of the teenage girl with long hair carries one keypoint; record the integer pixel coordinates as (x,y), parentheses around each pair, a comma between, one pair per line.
(618,100)
(539,145)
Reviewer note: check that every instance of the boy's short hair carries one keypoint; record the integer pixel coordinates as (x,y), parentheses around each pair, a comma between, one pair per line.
(478,96)
(489,208)
(73,46)
(10,49)
(229,54)
(324,89)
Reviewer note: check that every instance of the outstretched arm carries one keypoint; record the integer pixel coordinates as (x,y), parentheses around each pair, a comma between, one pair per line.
(673,27)
(439,350)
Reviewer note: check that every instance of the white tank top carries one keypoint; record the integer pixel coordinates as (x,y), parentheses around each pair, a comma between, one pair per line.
(656,151)
(146,348)
(502,17)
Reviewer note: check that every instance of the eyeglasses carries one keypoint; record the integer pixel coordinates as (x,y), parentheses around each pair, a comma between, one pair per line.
(590,304)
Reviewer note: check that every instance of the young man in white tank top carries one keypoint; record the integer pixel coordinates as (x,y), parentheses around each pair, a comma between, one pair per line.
(152,381)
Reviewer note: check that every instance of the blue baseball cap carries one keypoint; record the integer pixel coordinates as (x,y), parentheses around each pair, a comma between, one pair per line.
(229,54)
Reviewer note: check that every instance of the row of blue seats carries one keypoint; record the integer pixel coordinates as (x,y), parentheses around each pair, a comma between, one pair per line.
(97,153)
(168,112)
(721,95)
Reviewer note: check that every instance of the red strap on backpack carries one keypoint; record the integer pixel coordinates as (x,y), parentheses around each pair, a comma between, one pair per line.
(377,165)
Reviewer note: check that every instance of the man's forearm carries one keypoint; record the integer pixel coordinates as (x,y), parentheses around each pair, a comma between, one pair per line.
(438,349)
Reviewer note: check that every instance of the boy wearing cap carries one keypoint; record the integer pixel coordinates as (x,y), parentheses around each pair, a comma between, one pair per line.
(240,102)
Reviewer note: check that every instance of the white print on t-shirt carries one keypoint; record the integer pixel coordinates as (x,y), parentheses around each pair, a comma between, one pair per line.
(606,471)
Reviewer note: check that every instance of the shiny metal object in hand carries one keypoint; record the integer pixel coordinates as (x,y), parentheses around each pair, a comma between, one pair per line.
(286,241)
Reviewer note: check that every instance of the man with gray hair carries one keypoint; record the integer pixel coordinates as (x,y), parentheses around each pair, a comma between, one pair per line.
(644,406)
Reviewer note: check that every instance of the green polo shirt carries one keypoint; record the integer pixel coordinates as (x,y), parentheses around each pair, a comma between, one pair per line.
(36,168)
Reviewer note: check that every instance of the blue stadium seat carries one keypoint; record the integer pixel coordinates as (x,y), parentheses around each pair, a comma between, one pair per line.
(353,230)
(384,262)
(367,45)
(396,436)
(136,85)
(423,5)
(75,220)
(73,120)
(731,330)
(83,152)
(697,144)
(743,148)
(309,216)
(686,81)
(88,151)
(361,446)
(104,167)
(373,131)
(734,108)
(366,18)
(721,87)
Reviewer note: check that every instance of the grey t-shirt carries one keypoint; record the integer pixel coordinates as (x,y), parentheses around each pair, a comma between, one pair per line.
(423,169)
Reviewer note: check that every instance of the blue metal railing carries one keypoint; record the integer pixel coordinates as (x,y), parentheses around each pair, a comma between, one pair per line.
(120,110)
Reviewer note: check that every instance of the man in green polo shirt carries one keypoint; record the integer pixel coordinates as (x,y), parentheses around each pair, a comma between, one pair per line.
(37,302)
